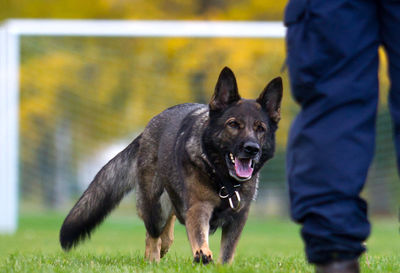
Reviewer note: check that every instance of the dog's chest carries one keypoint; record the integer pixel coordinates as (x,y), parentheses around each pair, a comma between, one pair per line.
(222,216)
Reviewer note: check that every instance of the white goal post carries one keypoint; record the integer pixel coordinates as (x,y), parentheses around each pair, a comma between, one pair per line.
(12,30)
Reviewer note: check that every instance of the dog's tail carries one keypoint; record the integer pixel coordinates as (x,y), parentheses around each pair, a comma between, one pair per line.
(107,189)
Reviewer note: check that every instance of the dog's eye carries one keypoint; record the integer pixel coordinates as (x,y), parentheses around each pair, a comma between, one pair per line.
(260,128)
(233,124)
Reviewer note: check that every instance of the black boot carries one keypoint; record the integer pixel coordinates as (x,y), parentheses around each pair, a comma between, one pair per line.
(350,266)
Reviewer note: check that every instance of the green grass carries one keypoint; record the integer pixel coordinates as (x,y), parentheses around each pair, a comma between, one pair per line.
(118,246)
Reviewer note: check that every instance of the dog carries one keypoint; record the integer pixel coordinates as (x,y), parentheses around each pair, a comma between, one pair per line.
(194,162)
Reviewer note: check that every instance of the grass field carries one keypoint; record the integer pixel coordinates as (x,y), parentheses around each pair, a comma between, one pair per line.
(118,246)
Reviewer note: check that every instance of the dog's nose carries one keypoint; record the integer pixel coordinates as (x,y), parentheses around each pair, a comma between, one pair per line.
(251,148)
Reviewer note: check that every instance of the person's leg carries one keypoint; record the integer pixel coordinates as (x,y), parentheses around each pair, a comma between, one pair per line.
(389,13)
(333,61)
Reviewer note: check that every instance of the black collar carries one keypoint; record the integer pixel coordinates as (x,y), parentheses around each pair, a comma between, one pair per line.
(226,187)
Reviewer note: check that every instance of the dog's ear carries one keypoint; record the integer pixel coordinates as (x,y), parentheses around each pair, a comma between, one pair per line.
(271,97)
(226,91)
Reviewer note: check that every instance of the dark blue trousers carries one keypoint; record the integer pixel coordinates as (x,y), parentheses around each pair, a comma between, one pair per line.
(332,49)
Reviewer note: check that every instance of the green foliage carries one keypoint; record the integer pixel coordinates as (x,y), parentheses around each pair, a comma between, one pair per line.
(118,246)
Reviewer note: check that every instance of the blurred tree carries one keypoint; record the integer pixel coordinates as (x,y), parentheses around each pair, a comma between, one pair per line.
(104,89)
(144,9)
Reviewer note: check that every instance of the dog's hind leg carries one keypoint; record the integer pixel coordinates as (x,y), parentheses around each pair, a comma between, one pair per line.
(167,236)
(153,248)
(156,212)
(156,248)
(153,203)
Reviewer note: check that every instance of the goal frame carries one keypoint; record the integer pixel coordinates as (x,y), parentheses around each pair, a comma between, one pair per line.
(11,32)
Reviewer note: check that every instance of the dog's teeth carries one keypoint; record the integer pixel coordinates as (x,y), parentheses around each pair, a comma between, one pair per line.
(232,158)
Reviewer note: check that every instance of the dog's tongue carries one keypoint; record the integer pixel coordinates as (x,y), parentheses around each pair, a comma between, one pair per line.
(243,168)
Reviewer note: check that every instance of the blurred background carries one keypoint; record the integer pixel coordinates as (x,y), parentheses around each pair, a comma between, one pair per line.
(83,99)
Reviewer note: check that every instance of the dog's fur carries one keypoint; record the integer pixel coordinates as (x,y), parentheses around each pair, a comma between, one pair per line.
(184,163)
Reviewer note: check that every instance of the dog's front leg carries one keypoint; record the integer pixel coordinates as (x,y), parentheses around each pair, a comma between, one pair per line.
(230,236)
(197,227)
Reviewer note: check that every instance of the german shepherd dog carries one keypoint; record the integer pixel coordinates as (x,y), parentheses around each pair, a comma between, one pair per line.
(198,163)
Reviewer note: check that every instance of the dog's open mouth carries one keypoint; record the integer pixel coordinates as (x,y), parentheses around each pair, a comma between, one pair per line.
(240,168)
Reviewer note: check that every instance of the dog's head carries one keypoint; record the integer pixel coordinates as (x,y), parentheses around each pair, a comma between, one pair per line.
(242,132)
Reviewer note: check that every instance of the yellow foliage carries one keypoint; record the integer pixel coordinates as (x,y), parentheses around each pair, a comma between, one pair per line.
(383,77)
(109,88)
(145,9)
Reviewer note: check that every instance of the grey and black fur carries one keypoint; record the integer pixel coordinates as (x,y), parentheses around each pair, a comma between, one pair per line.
(178,165)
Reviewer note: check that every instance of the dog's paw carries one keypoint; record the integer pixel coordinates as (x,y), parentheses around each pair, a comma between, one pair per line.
(203,256)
